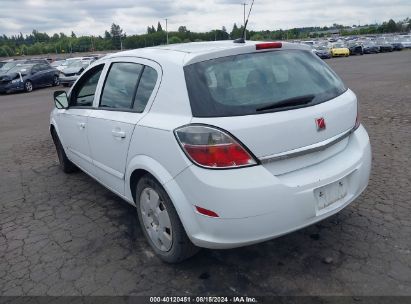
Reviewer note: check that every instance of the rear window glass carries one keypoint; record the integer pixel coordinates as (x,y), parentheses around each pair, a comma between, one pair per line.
(259,82)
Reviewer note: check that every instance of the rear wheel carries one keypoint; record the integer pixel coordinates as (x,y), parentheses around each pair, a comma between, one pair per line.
(28,86)
(160,222)
(66,165)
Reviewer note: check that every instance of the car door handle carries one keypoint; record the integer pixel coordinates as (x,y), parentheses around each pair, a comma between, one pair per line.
(81,125)
(118,134)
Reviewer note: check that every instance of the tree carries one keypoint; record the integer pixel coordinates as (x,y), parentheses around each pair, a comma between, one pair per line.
(237,32)
(159,27)
(391,26)
(116,33)
(73,35)
(107,35)
(151,30)
(182,29)
(174,39)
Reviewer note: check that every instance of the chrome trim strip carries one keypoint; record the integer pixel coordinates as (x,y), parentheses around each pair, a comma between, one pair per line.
(309,149)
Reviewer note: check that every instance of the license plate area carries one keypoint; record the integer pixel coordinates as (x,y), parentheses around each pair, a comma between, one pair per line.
(331,193)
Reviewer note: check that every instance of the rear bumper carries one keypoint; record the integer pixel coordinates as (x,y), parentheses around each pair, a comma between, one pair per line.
(255,205)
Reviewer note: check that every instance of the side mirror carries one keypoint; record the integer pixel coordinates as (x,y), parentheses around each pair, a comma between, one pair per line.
(61,100)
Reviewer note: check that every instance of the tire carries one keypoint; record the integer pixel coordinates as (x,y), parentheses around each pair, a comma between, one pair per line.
(28,86)
(56,81)
(153,207)
(65,164)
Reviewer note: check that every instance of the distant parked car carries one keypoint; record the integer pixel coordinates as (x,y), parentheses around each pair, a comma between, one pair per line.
(26,77)
(339,50)
(11,64)
(356,49)
(370,48)
(385,46)
(71,72)
(406,42)
(322,52)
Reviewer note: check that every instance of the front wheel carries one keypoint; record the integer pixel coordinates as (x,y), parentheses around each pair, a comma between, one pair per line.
(160,222)
(28,86)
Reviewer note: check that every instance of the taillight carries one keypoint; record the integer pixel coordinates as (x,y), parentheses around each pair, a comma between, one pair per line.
(268,45)
(212,148)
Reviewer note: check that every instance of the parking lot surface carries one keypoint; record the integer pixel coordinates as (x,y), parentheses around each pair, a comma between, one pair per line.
(67,235)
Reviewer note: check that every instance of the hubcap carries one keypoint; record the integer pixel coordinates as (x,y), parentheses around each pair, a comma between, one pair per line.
(56,80)
(156,219)
(29,86)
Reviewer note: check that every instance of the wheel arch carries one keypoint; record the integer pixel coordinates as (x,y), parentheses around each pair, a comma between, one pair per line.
(54,127)
(141,165)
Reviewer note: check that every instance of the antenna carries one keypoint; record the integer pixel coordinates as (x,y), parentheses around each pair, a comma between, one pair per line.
(242,39)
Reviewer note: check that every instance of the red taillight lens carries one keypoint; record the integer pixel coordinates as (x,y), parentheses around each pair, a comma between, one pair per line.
(212,148)
(268,45)
(207,212)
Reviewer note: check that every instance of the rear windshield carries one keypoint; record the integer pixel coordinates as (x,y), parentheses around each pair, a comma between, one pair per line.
(260,82)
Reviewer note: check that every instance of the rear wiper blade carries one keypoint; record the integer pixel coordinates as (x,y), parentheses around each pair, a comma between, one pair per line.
(295,101)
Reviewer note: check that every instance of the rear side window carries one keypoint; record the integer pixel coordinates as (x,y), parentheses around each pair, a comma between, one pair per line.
(259,82)
(145,88)
(128,86)
(121,85)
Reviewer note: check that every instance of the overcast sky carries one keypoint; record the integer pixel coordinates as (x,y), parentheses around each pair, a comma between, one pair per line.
(95,16)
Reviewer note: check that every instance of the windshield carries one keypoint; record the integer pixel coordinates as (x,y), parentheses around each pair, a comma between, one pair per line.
(23,69)
(57,63)
(8,66)
(338,45)
(243,84)
(78,64)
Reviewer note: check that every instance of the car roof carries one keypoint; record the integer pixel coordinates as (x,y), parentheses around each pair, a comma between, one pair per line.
(188,53)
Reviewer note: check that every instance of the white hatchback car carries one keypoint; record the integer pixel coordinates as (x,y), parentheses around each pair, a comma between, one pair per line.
(217,144)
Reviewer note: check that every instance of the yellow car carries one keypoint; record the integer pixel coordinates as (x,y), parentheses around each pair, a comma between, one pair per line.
(339,50)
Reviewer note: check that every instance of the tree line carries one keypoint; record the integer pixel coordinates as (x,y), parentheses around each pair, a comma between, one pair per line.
(115,38)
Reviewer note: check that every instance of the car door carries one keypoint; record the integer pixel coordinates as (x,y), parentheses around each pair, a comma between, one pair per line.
(126,91)
(72,122)
(48,74)
(42,74)
(36,77)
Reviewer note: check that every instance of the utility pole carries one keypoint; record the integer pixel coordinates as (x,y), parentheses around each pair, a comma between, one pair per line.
(245,32)
(167,29)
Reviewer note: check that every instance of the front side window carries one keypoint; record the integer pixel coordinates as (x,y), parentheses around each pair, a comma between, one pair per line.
(120,86)
(83,93)
(259,82)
